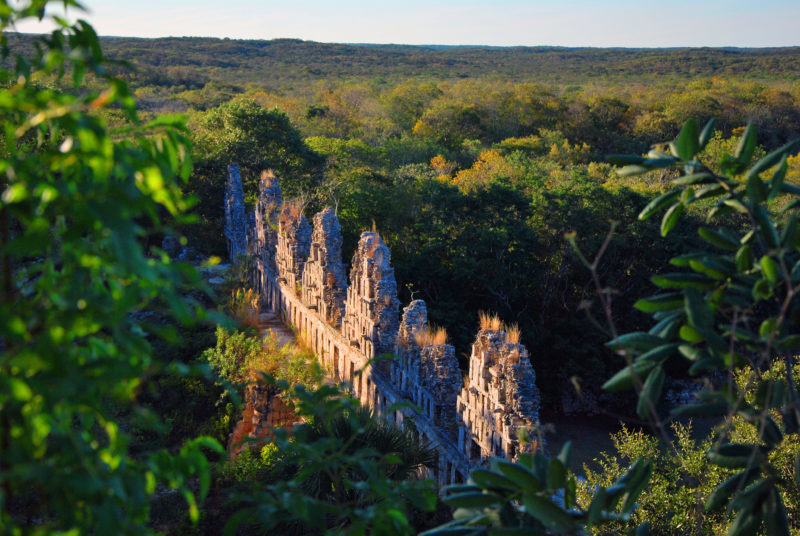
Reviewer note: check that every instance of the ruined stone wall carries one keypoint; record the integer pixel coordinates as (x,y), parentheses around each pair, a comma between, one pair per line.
(324,280)
(235,218)
(371,310)
(346,326)
(264,411)
(267,211)
(500,397)
(429,376)
(294,243)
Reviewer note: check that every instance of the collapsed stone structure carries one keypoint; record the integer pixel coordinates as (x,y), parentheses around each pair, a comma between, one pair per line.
(300,275)
(324,279)
(500,397)
(235,219)
(268,206)
(294,245)
(264,412)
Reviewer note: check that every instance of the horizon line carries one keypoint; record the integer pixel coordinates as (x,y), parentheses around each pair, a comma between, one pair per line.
(428,45)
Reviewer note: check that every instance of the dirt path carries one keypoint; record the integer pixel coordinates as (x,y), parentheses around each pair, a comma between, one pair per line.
(257,402)
(271,322)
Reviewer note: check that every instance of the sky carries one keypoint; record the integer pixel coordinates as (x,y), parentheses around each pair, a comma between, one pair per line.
(626,23)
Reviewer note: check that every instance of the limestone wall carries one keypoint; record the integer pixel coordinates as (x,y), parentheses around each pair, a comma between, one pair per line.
(348,325)
(372,308)
(500,397)
(235,218)
(294,243)
(324,281)
(268,207)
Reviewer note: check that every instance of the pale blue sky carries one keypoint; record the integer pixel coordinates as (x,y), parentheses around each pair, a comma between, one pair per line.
(643,23)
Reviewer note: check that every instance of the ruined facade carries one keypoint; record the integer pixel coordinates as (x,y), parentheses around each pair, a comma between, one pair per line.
(499,398)
(300,275)
(267,209)
(428,376)
(324,279)
(235,218)
(372,308)
(294,243)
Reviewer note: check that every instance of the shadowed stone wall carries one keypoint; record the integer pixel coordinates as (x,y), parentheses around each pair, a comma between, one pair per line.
(235,218)
(268,207)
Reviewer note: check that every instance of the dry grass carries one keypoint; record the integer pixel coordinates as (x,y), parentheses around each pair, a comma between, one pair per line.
(513,334)
(243,306)
(291,211)
(490,322)
(431,337)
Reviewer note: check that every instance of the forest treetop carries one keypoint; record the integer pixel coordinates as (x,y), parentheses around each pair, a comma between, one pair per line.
(284,62)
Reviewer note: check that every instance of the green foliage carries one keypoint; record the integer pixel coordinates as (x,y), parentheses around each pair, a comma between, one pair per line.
(251,464)
(233,353)
(77,209)
(683,479)
(242,131)
(688,492)
(242,356)
(345,472)
(732,304)
(537,495)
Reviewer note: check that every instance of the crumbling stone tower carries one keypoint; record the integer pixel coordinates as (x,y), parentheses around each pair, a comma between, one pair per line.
(371,318)
(404,368)
(267,211)
(427,375)
(441,378)
(294,243)
(499,398)
(324,278)
(235,218)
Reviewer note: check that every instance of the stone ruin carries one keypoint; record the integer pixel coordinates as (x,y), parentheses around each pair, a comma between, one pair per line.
(294,244)
(235,219)
(499,398)
(300,275)
(429,375)
(264,411)
(324,278)
(270,200)
(371,310)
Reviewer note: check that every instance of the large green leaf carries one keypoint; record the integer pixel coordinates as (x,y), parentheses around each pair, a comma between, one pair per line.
(658,203)
(688,142)
(549,514)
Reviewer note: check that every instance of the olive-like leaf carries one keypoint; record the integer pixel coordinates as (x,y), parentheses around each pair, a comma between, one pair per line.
(707,132)
(770,269)
(549,514)
(671,217)
(688,142)
(658,203)
(626,378)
